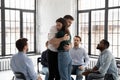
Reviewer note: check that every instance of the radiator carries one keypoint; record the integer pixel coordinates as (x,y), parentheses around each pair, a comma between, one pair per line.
(92,63)
(5,63)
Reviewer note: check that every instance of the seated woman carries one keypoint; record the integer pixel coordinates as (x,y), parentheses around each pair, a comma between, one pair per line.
(64,59)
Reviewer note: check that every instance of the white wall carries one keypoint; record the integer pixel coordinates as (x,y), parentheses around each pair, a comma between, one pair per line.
(47,13)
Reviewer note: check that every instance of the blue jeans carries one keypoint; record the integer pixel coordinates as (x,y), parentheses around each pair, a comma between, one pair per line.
(77,72)
(45,72)
(64,65)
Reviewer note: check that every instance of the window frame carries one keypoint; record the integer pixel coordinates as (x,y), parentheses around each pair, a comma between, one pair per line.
(3,34)
(106,10)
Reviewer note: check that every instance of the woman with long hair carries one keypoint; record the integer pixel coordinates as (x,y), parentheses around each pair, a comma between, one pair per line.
(64,59)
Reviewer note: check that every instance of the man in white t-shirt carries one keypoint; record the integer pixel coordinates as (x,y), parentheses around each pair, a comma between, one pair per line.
(52,49)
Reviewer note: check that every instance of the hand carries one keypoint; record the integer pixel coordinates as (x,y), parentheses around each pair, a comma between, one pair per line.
(86,73)
(66,37)
(81,67)
(66,47)
(39,78)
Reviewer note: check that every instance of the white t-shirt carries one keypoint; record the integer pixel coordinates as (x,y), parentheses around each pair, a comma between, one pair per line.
(51,35)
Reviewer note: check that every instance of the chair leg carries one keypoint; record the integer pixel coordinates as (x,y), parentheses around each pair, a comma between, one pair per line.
(85,77)
(72,78)
(13,78)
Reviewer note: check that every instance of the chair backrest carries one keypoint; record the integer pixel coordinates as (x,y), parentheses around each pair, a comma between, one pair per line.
(20,75)
(118,66)
(38,61)
(118,63)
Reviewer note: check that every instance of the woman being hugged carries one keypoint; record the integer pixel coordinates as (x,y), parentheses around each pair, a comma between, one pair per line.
(64,59)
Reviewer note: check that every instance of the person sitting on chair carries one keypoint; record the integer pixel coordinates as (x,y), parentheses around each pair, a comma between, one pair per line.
(21,63)
(106,64)
(80,58)
(44,62)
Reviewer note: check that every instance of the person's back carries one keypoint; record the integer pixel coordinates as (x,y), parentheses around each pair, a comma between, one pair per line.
(60,34)
(21,63)
(110,60)
(113,69)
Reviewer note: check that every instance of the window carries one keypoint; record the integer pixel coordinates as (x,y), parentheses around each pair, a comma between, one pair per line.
(113,3)
(20,4)
(12,30)
(28,31)
(83,28)
(99,19)
(19,16)
(114,31)
(0,33)
(90,4)
(97,29)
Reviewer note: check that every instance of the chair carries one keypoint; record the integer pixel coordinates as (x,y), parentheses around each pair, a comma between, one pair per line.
(38,70)
(118,66)
(118,63)
(20,76)
(38,61)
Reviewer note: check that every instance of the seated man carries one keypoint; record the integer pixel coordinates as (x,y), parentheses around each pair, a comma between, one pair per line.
(80,58)
(44,62)
(106,64)
(21,63)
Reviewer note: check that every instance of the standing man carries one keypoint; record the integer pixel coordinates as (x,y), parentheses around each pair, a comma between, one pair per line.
(21,63)
(80,58)
(52,49)
(106,64)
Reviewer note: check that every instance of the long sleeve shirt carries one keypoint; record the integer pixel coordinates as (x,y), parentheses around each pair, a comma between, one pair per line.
(106,64)
(79,56)
(51,35)
(44,58)
(21,63)
(61,34)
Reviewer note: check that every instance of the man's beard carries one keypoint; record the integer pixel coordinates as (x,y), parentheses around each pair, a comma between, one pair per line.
(98,47)
(75,44)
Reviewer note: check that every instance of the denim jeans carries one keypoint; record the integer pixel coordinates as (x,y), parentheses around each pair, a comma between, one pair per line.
(95,76)
(64,65)
(45,72)
(77,72)
(108,77)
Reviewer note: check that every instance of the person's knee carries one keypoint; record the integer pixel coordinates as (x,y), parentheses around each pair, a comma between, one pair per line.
(89,76)
(79,72)
(79,76)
